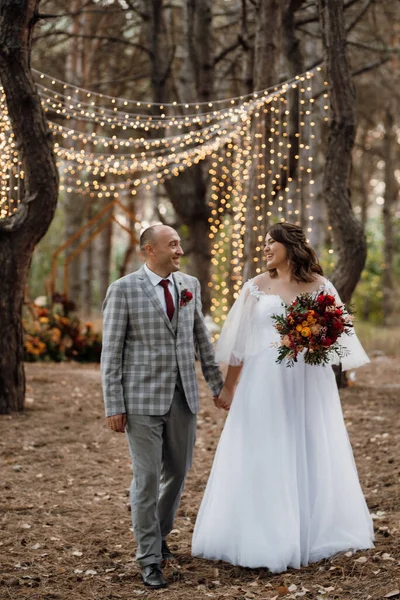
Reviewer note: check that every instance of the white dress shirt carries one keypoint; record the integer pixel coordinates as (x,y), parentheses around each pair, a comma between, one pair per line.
(155,280)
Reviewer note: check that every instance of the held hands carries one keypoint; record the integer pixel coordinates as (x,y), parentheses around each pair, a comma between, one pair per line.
(224,400)
(117,422)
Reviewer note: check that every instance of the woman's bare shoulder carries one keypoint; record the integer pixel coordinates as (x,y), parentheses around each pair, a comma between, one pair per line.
(262,279)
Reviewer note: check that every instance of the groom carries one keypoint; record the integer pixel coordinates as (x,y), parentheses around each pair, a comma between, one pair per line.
(152,328)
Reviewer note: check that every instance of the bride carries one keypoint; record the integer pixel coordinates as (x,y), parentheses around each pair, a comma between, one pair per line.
(283,490)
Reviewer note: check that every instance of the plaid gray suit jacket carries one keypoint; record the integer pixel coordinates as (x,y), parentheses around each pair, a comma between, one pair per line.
(142,353)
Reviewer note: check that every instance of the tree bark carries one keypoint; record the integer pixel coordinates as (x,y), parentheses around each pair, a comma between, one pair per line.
(188,191)
(348,234)
(132,243)
(105,246)
(266,68)
(196,75)
(74,204)
(188,197)
(20,232)
(86,275)
(390,196)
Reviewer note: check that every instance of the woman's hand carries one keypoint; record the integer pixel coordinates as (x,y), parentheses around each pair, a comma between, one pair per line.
(225,398)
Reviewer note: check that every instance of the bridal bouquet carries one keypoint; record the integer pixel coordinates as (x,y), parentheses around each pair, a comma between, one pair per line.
(313,323)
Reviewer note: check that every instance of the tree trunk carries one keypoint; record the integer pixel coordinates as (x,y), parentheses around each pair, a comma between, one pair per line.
(105,260)
(387,215)
(14,270)
(20,232)
(132,243)
(348,234)
(188,197)
(87,268)
(74,203)
(196,76)
(188,191)
(266,69)
(295,64)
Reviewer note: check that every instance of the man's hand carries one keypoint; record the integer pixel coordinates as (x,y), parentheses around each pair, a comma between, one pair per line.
(117,422)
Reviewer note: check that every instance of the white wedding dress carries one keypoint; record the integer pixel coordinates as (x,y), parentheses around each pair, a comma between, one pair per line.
(283,490)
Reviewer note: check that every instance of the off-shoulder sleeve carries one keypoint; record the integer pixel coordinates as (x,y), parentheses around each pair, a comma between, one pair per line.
(238,340)
(355,355)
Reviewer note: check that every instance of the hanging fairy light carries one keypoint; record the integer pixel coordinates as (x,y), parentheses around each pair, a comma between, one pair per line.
(135,145)
(278,193)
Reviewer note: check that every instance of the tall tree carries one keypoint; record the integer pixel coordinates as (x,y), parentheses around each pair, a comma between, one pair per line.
(20,232)
(188,191)
(347,231)
(268,42)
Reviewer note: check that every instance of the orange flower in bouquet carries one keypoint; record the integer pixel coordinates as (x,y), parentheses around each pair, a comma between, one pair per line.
(312,323)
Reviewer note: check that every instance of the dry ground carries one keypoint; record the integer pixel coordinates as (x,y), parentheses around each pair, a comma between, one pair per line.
(64,520)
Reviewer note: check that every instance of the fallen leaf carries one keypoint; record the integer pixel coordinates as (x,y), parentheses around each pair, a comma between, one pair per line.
(282,590)
(292,588)
(35,546)
(90,572)
(386,556)
(77,553)
(392,594)
(380,514)
(362,559)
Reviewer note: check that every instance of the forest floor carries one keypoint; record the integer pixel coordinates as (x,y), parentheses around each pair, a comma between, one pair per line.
(65,523)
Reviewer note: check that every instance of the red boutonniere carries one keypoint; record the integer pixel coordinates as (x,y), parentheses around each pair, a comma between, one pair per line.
(186,297)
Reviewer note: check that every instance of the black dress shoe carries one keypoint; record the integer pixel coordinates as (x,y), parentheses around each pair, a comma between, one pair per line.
(152,577)
(166,552)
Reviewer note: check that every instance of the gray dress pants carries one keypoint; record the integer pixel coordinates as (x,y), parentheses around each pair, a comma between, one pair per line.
(161,448)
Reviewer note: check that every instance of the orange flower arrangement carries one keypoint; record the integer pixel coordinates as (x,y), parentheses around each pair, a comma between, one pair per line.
(51,336)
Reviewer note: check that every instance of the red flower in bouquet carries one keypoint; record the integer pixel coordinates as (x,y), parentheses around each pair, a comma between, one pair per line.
(185,298)
(312,323)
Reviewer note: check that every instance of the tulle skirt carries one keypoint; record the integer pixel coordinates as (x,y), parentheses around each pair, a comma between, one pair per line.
(284,489)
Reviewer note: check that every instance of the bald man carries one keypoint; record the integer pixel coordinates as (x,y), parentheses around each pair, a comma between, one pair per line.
(153,326)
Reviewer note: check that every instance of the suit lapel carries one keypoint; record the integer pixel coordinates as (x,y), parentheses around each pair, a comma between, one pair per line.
(179,287)
(150,291)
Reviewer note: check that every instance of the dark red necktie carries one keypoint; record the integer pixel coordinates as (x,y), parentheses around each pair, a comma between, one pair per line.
(168,299)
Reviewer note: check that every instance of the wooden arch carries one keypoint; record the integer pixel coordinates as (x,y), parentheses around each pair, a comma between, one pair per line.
(86,242)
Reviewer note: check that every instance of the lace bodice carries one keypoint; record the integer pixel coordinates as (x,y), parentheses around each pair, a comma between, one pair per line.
(255,291)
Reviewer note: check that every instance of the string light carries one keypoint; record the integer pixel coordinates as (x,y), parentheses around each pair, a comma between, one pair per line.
(263,148)
(107,146)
